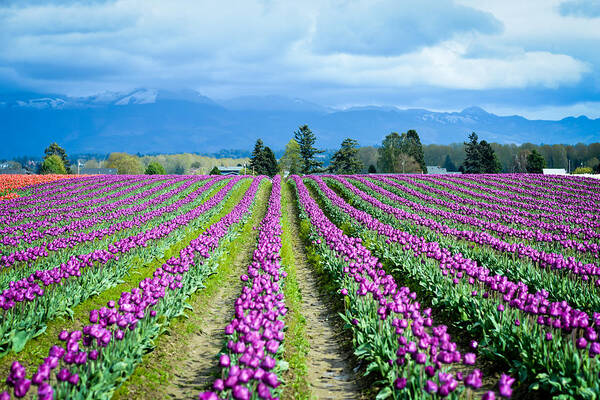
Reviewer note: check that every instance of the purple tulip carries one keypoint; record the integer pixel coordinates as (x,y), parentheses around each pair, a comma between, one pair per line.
(431,386)
(45,392)
(594,349)
(224,360)
(234,370)
(474,379)
(268,363)
(271,379)
(489,396)
(400,383)
(504,385)
(42,374)
(73,379)
(208,396)
(22,387)
(17,373)
(93,354)
(241,392)
(469,359)
(63,375)
(231,381)
(219,385)
(263,391)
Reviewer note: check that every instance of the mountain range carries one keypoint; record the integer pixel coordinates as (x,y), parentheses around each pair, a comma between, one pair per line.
(151,121)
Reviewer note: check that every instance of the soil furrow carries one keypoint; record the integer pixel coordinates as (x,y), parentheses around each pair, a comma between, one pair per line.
(329,362)
(198,370)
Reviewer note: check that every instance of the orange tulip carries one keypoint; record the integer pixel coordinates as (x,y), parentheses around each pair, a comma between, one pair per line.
(10,183)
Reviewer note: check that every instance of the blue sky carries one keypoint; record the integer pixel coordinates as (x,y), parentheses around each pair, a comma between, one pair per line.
(536,58)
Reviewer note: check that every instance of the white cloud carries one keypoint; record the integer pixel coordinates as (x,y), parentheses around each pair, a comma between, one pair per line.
(445,66)
(260,46)
(391,27)
(580,8)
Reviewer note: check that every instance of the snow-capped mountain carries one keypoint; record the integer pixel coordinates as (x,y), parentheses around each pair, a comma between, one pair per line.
(152,120)
(107,98)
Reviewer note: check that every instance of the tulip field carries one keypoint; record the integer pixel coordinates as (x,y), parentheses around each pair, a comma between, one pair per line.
(446,286)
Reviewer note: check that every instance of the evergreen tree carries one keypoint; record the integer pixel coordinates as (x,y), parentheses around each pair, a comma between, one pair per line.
(411,145)
(345,160)
(291,160)
(448,164)
(472,163)
(270,162)
(481,158)
(390,149)
(372,169)
(535,162)
(263,161)
(155,168)
(489,161)
(306,140)
(257,161)
(215,171)
(55,149)
(53,164)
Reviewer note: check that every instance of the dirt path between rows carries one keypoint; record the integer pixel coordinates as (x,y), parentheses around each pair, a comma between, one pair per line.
(197,371)
(329,361)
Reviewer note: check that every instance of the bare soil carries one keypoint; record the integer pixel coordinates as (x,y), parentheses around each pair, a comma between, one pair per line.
(330,361)
(199,368)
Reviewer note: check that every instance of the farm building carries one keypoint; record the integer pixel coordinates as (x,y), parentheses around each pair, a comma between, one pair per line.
(97,171)
(231,170)
(14,171)
(554,171)
(433,169)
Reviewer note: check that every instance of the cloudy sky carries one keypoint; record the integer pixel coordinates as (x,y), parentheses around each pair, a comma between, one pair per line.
(537,58)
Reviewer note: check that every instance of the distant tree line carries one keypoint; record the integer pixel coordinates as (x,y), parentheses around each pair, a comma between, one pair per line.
(513,158)
(398,153)
(404,153)
(302,157)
